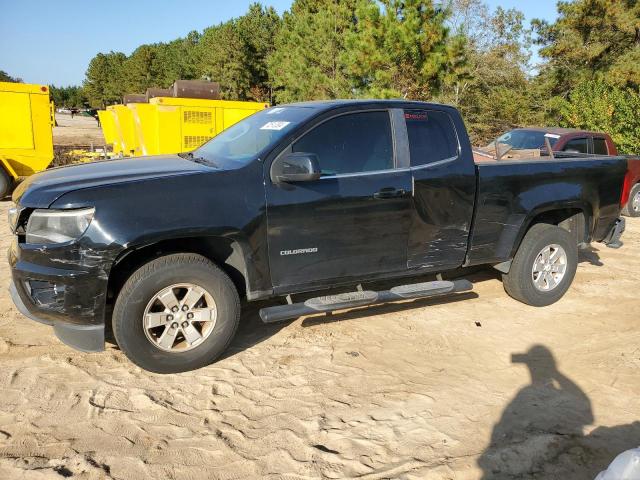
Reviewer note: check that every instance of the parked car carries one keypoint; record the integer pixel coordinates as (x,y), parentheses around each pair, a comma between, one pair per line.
(632,207)
(528,142)
(298,198)
(561,140)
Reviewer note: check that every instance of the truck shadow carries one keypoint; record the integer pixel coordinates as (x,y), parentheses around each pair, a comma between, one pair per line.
(540,433)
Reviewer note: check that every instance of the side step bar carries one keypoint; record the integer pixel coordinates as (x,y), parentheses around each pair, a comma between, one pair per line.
(364,298)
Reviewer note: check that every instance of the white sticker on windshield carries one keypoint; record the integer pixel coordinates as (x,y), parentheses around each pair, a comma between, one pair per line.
(275,111)
(551,135)
(274,125)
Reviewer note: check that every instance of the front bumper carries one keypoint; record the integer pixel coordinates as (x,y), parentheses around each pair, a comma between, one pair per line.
(86,338)
(612,240)
(71,299)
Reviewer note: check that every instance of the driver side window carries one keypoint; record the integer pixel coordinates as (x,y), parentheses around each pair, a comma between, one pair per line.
(351,143)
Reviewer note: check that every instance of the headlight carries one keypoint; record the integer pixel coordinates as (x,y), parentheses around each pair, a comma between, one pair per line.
(14,213)
(58,226)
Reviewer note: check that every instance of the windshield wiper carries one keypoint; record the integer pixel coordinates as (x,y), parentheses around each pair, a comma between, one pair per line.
(200,160)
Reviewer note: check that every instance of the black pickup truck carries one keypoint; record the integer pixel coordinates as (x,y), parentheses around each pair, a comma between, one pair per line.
(297,198)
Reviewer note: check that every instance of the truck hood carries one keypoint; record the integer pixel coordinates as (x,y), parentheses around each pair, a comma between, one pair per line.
(44,188)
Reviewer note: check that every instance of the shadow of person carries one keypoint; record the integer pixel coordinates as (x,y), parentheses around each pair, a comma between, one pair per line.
(590,255)
(543,422)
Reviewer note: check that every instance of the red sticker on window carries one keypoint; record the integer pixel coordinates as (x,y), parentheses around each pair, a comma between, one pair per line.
(415,116)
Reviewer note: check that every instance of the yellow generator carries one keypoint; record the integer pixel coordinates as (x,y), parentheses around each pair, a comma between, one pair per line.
(170,125)
(127,141)
(108,125)
(186,123)
(26,136)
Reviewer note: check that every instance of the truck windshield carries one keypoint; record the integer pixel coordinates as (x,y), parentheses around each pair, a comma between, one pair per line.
(244,141)
(526,139)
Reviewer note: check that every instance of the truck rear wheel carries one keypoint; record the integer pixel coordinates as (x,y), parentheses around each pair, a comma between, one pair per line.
(544,266)
(176,313)
(632,208)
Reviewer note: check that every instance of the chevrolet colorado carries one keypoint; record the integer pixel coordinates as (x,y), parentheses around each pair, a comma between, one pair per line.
(296,198)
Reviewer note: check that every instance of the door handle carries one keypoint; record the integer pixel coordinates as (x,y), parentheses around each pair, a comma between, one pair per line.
(389,192)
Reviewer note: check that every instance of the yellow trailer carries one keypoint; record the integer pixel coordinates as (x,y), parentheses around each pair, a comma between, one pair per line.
(26,136)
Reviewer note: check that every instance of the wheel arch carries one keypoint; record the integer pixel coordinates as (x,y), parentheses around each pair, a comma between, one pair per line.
(576,218)
(227,253)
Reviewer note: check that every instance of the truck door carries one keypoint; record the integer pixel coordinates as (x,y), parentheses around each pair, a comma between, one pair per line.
(354,220)
(444,183)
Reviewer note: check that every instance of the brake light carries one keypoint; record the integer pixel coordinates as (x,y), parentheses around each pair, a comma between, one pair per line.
(626,188)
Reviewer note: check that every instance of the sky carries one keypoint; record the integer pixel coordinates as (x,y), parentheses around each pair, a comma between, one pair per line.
(52,41)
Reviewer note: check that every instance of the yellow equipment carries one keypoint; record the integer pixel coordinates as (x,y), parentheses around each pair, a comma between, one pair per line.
(108,125)
(170,125)
(125,130)
(187,123)
(145,124)
(26,137)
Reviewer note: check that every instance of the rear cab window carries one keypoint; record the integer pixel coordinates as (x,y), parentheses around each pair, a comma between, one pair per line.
(600,146)
(579,145)
(432,137)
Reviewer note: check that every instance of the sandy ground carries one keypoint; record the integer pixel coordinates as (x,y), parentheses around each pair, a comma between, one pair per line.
(475,387)
(79,130)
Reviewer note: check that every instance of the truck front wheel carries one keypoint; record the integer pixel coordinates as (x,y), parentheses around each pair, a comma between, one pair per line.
(544,266)
(176,313)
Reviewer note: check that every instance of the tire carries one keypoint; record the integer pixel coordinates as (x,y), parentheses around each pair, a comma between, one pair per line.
(6,184)
(520,283)
(632,208)
(138,303)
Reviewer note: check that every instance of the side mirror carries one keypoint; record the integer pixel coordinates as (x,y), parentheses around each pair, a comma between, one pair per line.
(295,167)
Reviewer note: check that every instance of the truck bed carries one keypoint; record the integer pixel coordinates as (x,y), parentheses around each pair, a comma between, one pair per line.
(510,194)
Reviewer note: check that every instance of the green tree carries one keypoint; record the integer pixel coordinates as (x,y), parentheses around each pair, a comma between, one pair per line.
(5,77)
(599,106)
(71,96)
(258,29)
(398,48)
(223,60)
(493,89)
(178,60)
(235,53)
(591,39)
(306,63)
(104,81)
(143,69)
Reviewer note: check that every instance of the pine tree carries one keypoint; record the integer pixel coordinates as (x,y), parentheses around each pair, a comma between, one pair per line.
(5,77)
(592,39)
(307,62)
(104,82)
(398,48)
(235,54)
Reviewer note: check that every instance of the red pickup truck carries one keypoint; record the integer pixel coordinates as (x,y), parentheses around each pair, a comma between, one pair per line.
(566,140)
(632,208)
